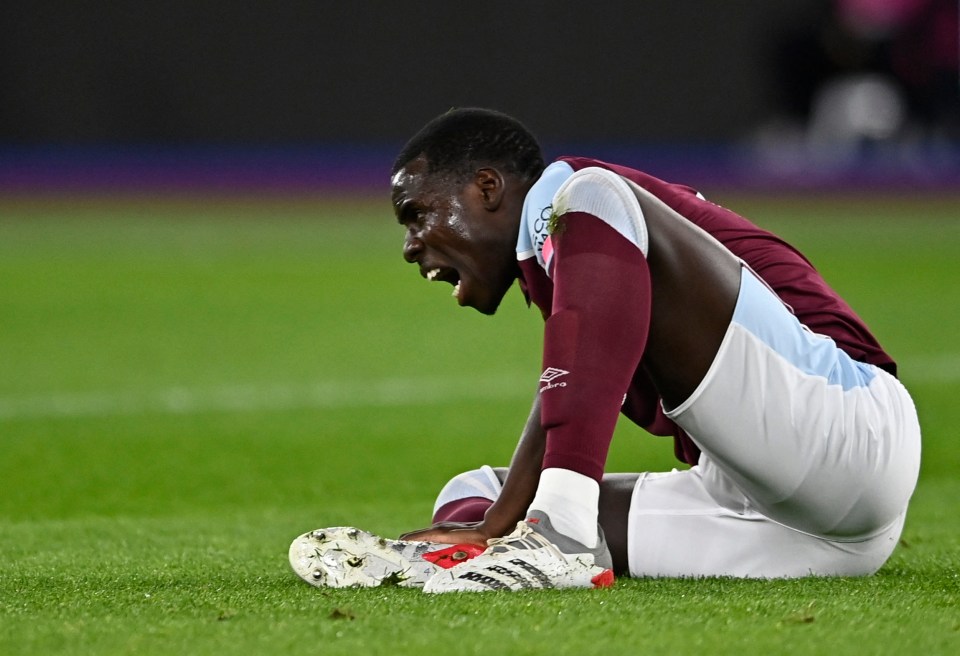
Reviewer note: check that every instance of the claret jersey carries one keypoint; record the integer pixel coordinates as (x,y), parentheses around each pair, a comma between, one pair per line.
(781,266)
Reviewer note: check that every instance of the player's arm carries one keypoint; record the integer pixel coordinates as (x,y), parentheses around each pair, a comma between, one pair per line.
(522,478)
(593,340)
(511,506)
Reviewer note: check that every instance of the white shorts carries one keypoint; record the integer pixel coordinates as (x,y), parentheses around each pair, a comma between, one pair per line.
(808,459)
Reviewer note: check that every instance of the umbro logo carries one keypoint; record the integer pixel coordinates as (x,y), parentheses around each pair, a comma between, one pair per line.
(549,375)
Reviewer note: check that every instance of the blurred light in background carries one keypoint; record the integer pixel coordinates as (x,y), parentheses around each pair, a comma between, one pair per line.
(306,95)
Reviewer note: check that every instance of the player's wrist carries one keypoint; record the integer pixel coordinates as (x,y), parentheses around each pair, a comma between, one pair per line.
(500,519)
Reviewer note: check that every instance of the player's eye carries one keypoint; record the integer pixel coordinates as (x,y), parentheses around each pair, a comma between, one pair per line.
(409,214)
(415,218)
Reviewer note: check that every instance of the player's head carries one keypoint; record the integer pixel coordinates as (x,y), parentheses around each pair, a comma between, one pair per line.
(458,189)
(460,141)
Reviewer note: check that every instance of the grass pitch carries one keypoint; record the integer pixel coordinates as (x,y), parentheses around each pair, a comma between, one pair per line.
(187,385)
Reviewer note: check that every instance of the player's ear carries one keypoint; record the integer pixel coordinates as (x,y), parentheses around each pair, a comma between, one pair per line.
(489,183)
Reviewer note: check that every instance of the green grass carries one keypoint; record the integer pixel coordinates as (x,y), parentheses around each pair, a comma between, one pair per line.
(187,385)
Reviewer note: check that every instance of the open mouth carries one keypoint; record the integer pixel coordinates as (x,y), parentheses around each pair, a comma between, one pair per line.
(446,275)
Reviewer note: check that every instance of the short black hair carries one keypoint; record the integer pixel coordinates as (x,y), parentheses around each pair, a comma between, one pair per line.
(462,140)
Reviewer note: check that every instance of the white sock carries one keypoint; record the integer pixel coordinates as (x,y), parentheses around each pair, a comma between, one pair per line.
(571,501)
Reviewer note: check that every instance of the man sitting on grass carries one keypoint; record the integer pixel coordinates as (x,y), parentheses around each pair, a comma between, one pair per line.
(803,447)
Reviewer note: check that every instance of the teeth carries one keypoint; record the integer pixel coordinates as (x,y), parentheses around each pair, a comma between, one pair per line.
(432,275)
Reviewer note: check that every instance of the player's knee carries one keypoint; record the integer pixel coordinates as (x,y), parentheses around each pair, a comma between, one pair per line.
(606,195)
(482,482)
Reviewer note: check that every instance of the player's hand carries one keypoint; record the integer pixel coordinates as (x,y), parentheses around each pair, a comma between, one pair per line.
(452,533)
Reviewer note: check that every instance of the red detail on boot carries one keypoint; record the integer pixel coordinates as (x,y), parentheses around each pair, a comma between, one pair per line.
(453,556)
(604,579)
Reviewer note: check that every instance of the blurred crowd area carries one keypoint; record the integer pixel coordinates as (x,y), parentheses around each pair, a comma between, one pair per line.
(303,94)
(869,72)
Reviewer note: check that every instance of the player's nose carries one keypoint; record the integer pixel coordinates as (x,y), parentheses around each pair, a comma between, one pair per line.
(412,247)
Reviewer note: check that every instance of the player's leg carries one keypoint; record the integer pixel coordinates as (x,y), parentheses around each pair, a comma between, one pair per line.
(466,496)
(678,528)
(815,440)
(696,522)
(809,460)
(344,556)
(616,494)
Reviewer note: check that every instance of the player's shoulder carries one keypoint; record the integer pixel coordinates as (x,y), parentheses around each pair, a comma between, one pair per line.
(603,192)
(657,186)
(537,208)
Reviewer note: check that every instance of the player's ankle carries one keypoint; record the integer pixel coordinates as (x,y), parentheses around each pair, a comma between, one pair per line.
(570,500)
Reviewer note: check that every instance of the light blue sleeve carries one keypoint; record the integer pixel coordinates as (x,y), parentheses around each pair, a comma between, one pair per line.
(536,211)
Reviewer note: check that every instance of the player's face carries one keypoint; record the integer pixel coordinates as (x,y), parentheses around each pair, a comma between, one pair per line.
(456,235)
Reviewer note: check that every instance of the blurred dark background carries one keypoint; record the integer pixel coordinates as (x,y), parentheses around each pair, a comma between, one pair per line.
(262,84)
